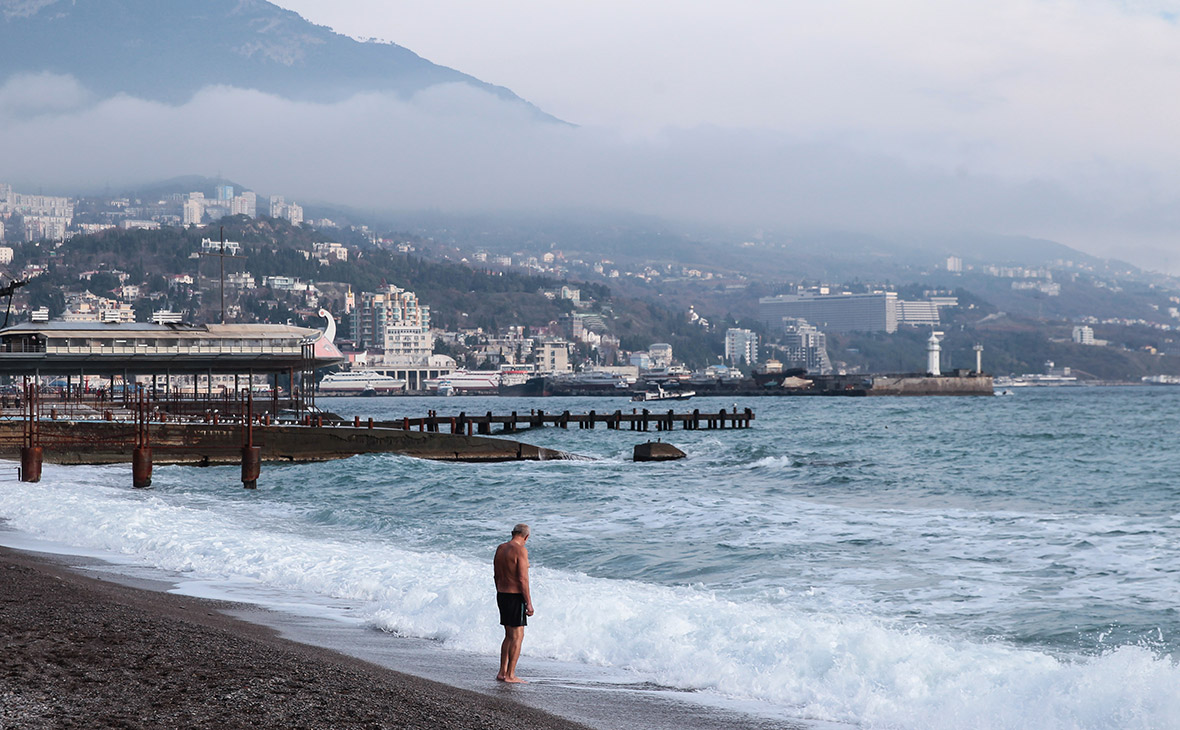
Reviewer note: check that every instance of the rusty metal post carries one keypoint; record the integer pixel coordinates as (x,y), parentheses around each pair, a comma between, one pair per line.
(30,453)
(30,463)
(251,454)
(251,466)
(141,457)
(141,467)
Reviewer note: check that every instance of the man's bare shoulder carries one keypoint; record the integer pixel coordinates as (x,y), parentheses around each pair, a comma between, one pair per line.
(510,550)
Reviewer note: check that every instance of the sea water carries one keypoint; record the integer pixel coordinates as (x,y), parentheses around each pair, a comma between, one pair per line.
(1006,562)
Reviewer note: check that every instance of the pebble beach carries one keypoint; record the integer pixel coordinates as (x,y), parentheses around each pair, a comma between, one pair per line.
(81,652)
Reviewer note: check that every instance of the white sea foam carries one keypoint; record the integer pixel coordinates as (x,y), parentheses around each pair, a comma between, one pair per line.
(841,666)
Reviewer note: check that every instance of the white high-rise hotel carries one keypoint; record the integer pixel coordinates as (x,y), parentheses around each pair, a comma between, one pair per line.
(393,321)
(741,345)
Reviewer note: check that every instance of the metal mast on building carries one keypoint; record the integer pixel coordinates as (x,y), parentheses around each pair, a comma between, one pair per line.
(222,255)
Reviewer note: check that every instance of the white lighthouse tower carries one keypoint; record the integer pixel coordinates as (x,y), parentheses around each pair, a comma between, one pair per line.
(933,354)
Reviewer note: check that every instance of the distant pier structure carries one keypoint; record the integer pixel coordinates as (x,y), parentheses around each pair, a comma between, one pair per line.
(83,367)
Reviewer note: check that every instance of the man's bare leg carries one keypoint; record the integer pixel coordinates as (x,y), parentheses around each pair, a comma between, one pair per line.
(505,650)
(510,653)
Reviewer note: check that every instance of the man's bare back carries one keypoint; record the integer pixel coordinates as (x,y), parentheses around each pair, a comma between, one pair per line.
(511,566)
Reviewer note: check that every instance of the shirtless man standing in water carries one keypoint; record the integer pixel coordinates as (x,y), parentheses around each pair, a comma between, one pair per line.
(511,566)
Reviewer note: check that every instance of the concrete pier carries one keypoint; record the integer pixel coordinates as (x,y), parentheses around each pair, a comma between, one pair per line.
(113,442)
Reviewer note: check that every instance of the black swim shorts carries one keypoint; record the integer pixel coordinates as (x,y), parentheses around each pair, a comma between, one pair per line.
(511,609)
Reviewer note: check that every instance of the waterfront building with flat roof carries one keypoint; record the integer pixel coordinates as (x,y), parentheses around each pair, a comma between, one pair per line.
(876,312)
(141,348)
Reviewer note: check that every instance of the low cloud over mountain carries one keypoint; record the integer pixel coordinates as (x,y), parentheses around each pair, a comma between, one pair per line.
(434,138)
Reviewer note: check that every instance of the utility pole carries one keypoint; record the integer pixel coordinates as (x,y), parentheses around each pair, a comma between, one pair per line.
(222,255)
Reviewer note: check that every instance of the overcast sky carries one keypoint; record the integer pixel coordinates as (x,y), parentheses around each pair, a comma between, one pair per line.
(1075,95)
(1050,118)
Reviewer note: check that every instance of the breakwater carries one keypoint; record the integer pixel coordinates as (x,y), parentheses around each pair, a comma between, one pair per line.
(903,384)
(204,444)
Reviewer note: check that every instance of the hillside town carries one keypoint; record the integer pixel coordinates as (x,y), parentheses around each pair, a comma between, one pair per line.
(388,329)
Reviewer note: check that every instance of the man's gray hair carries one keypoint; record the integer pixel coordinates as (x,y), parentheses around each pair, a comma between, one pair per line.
(521,529)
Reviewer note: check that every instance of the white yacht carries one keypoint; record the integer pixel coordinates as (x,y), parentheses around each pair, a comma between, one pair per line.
(465,382)
(359,382)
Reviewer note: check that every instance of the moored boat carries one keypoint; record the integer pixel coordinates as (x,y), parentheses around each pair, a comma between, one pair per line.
(661,393)
(359,382)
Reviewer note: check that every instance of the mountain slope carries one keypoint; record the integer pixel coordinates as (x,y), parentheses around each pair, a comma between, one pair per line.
(166,50)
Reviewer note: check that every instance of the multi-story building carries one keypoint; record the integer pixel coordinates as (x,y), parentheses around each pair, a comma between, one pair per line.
(280,208)
(6,252)
(44,216)
(917,313)
(50,206)
(875,312)
(328,251)
(42,227)
(803,345)
(239,280)
(553,356)
(284,283)
(741,345)
(244,204)
(661,354)
(193,209)
(392,320)
(573,326)
(229,248)
(1083,335)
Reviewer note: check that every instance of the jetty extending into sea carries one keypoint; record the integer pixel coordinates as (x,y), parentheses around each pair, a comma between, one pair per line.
(145,435)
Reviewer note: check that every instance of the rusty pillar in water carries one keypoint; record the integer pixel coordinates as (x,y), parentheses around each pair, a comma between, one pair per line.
(30,463)
(251,454)
(251,466)
(30,453)
(141,467)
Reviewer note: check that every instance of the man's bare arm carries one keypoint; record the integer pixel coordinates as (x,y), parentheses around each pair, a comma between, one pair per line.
(523,568)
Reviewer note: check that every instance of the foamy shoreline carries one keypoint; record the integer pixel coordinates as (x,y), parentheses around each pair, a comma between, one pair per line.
(150,658)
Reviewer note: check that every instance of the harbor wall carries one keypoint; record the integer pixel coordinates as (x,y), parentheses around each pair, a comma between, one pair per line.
(931,385)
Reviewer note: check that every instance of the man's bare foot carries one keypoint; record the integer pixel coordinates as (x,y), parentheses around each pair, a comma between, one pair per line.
(500,678)
(515,680)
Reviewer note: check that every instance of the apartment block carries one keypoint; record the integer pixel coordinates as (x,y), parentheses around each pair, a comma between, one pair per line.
(741,345)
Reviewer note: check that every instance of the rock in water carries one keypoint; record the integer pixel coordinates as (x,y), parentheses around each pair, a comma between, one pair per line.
(657,451)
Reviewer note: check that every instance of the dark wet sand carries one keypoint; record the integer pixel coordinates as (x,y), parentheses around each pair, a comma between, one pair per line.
(80,652)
